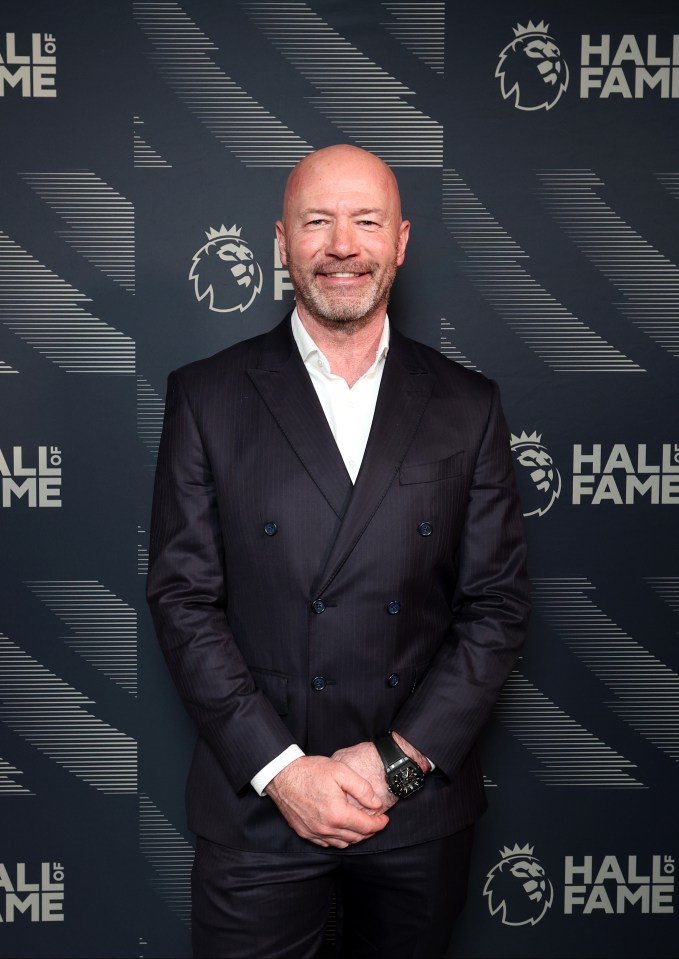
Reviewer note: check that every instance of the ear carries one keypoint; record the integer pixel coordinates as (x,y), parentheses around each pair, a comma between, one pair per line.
(402,242)
(280,236)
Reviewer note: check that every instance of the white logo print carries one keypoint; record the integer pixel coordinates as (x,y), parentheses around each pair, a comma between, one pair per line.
(517,887)
(226,272)
(40,900)
(539,479)
(28,65)
(531,68)
(34,478)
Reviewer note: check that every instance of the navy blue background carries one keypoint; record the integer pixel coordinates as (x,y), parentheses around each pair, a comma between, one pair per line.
(119,899)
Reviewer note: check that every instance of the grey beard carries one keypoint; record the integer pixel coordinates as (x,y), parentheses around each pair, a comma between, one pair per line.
(350,314)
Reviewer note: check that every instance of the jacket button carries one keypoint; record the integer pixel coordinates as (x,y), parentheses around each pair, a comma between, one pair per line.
(270,529)
(393,608)
(318,606)
(318,683)
(425,529)
(394,680)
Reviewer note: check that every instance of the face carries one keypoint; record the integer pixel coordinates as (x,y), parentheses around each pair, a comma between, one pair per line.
(342,236)
(240,256)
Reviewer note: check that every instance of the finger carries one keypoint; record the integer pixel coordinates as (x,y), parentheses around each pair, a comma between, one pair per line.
(349,830)
(334,844)
(356,803)
(359,825)
(364,794)
(358,787)
(344,838)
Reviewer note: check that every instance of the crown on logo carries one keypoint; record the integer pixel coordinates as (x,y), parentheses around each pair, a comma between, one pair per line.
(212,234)
(534,437)
(540,27)
(516,850)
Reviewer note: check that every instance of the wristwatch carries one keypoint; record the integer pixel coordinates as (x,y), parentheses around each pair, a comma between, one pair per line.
(403,775)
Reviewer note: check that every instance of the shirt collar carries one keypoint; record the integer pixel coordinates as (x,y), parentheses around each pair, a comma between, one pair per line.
(308,349)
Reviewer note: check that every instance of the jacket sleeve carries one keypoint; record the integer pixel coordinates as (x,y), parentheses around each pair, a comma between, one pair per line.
(187,591)
(445,715)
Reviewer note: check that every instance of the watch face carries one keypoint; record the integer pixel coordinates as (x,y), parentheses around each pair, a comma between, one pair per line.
(406,780)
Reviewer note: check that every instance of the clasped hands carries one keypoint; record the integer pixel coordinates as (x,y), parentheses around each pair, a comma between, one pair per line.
(340,800)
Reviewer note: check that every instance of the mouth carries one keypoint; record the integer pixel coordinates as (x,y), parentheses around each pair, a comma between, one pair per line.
(344,275)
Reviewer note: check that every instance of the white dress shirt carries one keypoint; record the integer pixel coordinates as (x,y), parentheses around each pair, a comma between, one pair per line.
(349,412)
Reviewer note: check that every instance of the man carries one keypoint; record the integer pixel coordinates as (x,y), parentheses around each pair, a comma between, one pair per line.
(336,556)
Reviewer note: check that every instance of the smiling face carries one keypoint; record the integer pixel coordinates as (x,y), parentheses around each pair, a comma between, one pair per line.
(342,237)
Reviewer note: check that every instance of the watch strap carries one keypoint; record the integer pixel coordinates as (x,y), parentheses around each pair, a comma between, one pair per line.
(389,750)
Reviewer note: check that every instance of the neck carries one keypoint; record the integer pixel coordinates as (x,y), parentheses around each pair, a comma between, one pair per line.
(350,351)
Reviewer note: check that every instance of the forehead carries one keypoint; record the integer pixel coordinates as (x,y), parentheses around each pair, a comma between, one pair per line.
(342,182)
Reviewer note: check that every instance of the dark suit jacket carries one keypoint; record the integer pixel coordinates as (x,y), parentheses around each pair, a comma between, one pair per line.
(246,445)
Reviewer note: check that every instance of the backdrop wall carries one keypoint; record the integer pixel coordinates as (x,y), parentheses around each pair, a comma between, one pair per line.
(145,146)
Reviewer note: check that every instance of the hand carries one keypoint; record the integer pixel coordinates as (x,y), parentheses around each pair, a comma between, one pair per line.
(364,759)
(327,802)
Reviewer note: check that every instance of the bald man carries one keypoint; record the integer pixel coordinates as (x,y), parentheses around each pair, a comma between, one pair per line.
(337,579)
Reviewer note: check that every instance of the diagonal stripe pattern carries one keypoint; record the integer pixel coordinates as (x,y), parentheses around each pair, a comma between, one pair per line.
(45,312)
(104,628)
(142,551)
(671,183)
(100,220)
(8,784)
(150,412)
(448,347)
(646,690)
(170,856)
(667,587)
(357,95)
(570,754)
(648,280)
(50,715)
(557,336)
(243,126)
(145,157)
(420,27)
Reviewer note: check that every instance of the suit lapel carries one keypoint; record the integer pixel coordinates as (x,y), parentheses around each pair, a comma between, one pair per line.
(284,385)
(404,393)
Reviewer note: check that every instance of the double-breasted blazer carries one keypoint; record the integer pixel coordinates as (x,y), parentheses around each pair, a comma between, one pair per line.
(295,607)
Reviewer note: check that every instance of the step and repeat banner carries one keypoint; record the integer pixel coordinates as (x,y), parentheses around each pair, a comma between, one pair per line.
(144,149)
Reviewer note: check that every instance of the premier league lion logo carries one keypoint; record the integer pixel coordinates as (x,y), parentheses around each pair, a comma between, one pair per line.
(539,479)
(531,68)
(225,271)
(517,888)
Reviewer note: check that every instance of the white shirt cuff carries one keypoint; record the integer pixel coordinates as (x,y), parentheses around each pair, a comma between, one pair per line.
(264,776)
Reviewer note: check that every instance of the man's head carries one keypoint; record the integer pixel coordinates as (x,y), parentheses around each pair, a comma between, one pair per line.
(342,236)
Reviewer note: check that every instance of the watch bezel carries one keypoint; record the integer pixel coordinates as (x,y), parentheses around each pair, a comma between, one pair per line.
(403,775)
(395,783)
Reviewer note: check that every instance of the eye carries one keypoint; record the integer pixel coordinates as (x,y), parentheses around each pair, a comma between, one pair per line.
(535,49)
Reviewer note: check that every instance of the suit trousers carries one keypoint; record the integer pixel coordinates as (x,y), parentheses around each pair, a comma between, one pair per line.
(395,904)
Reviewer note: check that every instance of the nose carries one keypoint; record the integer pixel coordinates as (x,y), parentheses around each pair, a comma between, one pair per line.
(342,239)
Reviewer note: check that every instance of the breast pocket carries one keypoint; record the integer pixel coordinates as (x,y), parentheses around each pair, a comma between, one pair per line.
(433,472)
